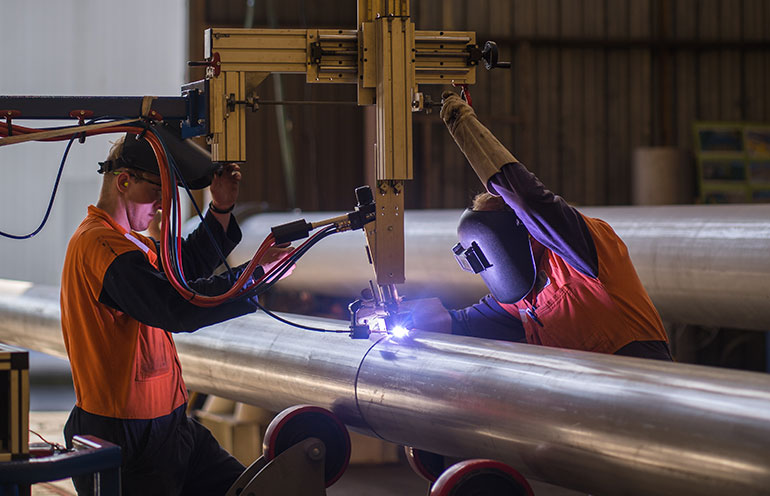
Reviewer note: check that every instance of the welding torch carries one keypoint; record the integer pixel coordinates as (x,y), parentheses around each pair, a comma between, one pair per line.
(299,229)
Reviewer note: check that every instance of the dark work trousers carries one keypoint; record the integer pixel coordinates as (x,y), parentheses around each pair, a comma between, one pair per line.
(170,455)
(657,350)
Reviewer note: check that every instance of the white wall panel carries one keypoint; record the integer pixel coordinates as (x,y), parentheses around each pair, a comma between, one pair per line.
(74,47)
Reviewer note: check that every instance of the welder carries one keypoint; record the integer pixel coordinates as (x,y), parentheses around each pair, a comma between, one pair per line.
(118,313)
(556,277)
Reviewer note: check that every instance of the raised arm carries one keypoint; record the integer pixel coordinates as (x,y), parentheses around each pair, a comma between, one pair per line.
(547,217)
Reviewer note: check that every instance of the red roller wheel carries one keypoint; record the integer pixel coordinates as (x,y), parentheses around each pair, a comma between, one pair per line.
(300,422)
(481,478)
(425,464)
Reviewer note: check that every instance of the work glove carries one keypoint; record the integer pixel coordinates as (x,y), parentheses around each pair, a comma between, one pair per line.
(427,314)
(484,152)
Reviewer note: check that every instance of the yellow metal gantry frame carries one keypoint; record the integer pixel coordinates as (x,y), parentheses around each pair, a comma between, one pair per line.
(385,57)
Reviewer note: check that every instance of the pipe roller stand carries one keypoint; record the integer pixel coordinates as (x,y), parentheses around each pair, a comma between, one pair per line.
(307,449)
(476,477)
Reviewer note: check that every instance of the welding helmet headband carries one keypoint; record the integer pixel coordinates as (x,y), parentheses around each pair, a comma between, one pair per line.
(495,244)
(192,161)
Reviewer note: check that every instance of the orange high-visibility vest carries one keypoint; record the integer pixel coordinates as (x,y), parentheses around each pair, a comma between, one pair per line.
(121,368)
(568,309)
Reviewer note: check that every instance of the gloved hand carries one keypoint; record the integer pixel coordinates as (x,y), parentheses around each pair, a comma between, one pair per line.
(484,152)
(454,109)
(427,314)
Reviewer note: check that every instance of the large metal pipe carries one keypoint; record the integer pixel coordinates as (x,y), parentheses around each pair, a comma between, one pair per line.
(594,423)
(701,264)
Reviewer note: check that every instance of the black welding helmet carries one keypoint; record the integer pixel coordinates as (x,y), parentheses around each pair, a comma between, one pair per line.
(192,161)
(495,244)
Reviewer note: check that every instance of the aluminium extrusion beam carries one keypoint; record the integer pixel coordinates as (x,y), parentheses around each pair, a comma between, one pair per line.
(700,264)
(590,422)
(64,107)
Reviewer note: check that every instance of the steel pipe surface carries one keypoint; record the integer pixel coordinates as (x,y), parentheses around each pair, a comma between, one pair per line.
(701,264)
(595,423)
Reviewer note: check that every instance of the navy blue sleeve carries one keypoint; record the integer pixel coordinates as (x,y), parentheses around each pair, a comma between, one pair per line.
(199,256)
(487,319)
(136,288)
(547,217)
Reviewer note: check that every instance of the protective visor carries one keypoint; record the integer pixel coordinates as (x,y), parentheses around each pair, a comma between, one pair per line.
(192,161)
(496,245)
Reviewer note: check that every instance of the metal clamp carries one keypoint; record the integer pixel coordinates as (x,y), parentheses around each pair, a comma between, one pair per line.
(9,116)
(489,54)
(251,102)
(215,64)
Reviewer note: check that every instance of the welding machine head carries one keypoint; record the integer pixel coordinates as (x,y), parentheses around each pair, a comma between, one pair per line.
(192,161)
(495,244)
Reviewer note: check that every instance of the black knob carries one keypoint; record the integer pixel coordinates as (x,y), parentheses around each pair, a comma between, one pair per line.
(490,54)
(364,196)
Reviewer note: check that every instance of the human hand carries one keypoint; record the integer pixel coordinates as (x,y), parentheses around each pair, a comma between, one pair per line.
(427,314)
(454,109)
(225,186)
(274,256)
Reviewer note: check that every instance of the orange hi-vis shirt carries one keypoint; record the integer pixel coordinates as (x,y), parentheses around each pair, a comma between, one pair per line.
(569,309)
(121,367)
(586,294)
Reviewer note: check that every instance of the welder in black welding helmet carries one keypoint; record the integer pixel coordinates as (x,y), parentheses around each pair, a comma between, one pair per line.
(192,161)
(496,245)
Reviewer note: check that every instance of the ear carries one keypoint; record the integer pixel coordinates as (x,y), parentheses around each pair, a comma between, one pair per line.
(121,182)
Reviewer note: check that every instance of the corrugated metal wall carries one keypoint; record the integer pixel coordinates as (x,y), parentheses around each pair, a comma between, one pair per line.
(591,81)
(327,140)
(594,79)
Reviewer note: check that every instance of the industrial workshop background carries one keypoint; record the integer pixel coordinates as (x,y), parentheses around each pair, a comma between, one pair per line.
(591,81)
(591,84)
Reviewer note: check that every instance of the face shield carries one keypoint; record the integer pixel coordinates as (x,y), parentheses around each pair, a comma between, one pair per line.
(192,161)
(495,244)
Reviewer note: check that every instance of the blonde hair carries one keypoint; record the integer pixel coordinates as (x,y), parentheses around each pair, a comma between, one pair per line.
(487,202)
(117,148)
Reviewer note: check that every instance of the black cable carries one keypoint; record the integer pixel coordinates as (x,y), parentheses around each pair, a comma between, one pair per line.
(294,324)
(176,266)
(51,199)
(289,261)
(259,288)
(58,179)
(178,175)
(175,173)
(176,259)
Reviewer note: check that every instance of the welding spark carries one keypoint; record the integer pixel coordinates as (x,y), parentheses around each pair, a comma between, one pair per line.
(400,331)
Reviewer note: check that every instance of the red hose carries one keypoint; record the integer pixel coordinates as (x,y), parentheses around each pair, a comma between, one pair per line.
(167,183)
